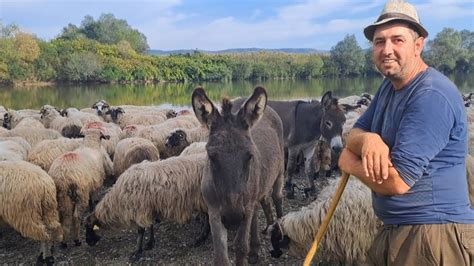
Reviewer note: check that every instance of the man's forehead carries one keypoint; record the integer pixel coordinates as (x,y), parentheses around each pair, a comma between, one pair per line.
(392,29)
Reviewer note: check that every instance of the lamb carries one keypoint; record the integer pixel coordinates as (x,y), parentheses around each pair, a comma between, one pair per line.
(131,151)
(32,136)
(78,176)
(349,234)
(29,205)
(182,138)
(149,191)
(46,151)
(68,127)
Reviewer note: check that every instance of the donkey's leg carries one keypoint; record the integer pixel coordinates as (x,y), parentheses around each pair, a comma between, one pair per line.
(219,239)
(277,196)
(241,241)
(267,211)
(254,240)
(205,230)
(309,167)
(291,169)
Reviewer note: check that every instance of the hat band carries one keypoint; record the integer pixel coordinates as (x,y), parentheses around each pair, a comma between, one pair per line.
(396,15)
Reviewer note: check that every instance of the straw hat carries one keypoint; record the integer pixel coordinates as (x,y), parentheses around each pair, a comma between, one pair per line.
(396,10)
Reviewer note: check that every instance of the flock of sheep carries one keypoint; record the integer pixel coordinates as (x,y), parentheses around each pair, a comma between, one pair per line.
(54,164)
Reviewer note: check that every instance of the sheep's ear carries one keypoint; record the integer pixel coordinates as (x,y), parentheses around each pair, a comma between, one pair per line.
(253,108)
(204,109)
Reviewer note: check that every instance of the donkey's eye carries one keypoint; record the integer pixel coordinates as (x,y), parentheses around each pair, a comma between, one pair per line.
(328,124)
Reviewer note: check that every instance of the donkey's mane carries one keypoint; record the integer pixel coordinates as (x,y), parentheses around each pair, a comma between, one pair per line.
(226,107)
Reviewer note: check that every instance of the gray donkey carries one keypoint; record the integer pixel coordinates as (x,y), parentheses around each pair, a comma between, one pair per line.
(245,166)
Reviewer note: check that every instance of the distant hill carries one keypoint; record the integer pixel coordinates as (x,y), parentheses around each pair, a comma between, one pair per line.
(241,50)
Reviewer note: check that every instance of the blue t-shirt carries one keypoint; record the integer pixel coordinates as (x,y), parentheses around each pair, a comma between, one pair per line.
(425,127)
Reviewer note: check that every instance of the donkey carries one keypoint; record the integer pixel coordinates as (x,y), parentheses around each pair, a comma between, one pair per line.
(304,123)
(245,165)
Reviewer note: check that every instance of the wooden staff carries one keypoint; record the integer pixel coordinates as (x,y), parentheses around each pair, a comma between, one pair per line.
(327,219)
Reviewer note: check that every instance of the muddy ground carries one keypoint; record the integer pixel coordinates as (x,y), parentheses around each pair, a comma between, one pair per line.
(172,246)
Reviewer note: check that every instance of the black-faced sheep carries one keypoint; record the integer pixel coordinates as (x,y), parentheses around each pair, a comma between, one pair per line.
(182,138)
(350,232)
(28,204)
(78,176)
(68,127)
(131,151)
(151,191)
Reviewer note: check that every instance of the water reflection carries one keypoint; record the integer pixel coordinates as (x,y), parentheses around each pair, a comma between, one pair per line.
(179,94)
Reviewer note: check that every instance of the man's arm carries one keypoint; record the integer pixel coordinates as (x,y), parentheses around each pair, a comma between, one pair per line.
(351,163)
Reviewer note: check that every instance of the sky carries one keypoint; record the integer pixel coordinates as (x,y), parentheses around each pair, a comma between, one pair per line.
(226,24)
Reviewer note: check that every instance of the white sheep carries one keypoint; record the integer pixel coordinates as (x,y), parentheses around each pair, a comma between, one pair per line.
(28,204)
(11,118)
(78,176)
(45,152)
(12,151)
(131,151)
(144,117)
(150,191)
(32,136)
(68,127)
(21,141)
(196,147)
(84,117)
(349,234)
(29,122)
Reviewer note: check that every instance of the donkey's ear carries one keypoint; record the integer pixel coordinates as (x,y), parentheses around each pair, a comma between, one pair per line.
(254,107)
(326,101)
(204,109)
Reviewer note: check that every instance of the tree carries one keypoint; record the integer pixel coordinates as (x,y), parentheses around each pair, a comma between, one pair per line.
(445,50)
(348,56)
(107,30)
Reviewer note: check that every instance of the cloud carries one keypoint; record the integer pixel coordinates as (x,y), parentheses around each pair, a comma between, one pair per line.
(445,10)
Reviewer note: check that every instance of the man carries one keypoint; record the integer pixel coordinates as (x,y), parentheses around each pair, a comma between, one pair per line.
(409,147)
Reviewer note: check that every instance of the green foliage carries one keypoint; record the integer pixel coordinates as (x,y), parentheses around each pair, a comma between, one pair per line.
(107,30)
(348,57)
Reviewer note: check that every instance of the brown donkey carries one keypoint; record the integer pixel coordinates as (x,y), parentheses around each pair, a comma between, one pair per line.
(245,166)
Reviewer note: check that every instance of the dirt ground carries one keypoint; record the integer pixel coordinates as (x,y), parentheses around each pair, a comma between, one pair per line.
(172,246)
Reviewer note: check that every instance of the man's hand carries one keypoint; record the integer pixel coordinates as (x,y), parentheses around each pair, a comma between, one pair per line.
(375,157)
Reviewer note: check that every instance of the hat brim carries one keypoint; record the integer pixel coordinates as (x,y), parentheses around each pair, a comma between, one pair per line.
(370,30)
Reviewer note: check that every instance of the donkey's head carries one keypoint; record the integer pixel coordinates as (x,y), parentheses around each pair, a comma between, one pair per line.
(332,121)
(231,151)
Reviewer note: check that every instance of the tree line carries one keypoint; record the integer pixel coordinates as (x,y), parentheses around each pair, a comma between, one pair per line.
(109,50)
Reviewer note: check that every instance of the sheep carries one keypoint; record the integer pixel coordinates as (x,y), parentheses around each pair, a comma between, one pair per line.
(78,176)
(182,138)
(32,136)
(11,118)
(158,133)
(29,122)
(113,131)
(149,191)
(46,151)
(196,147)
(123,119)
(84,117)
(132,151)
(19,140)
(100,107)
(3,130)
(29,206)
(130,131)
(12,151)
(68,127)
(350,232)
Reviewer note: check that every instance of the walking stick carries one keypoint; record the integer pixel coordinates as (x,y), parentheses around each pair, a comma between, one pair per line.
(327,219)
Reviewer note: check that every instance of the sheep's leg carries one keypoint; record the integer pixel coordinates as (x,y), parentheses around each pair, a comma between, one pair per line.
(151,239)
(46,255)
(267,211)
(137,254)
(254,240)
(205,230)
